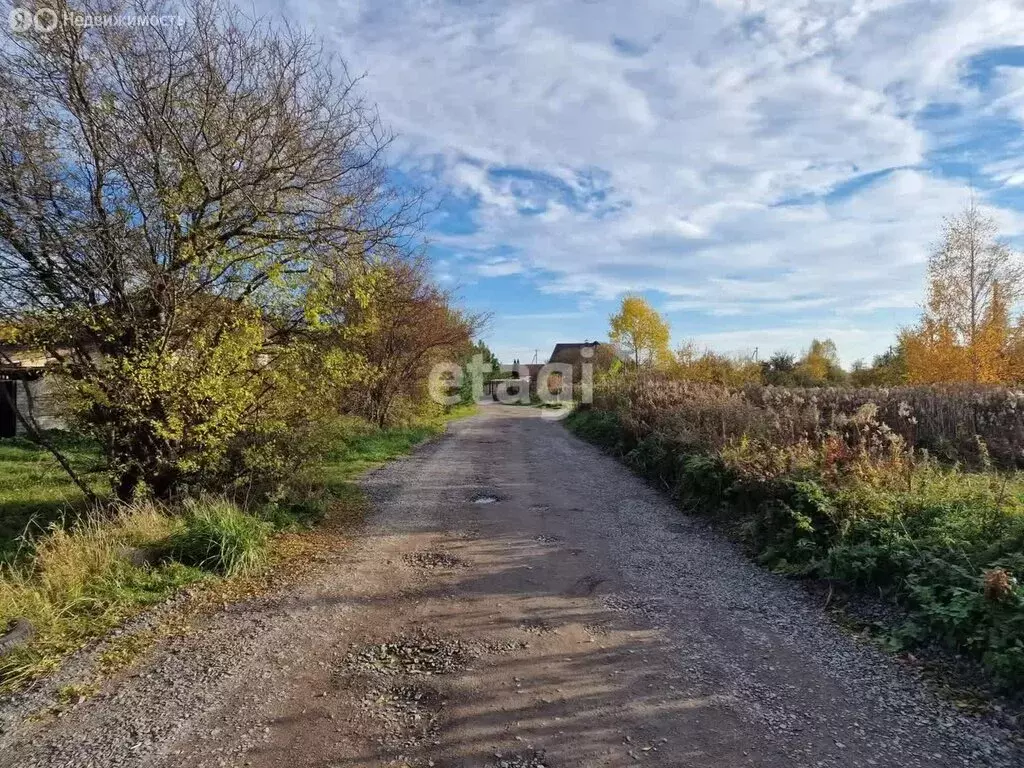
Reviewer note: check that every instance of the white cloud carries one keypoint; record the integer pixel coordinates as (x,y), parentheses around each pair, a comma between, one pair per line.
(860,251)
(1010,83)
(694,160)
(1007,172)
(500,268)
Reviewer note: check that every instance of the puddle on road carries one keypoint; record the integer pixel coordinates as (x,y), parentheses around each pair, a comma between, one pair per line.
(484,499)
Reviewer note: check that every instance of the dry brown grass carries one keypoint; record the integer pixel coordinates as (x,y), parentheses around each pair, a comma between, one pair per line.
(972,424)
(80,582)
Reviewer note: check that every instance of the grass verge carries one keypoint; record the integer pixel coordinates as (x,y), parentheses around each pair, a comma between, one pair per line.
(82,581)
(942,546)
(363,446)
(86,573)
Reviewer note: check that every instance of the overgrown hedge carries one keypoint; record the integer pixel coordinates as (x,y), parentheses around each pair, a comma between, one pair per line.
(941,543)
(947,421)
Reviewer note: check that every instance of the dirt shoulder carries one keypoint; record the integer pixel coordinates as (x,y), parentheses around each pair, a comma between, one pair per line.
(517,599)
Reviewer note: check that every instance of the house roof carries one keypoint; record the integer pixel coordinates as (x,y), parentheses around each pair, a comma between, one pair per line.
(19,373)
(571,350)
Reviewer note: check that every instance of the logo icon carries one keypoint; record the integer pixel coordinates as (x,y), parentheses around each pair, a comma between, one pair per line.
(21,20)
(43,20)
(46,20)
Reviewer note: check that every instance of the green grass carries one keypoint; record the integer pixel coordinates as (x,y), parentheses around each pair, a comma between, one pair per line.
(35,491)
(75,582)
(84,580)
(365,447)
(81,582)
(216,535)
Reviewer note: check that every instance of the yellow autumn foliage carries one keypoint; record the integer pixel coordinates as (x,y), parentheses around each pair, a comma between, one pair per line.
(966,333)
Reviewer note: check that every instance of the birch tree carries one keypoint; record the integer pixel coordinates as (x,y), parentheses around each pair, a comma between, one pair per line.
(974,279)
(641,332)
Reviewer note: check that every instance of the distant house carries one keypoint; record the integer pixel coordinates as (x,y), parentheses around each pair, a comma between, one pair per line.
(572,353)
(522,375)
(23,387)
(531,371)
(601,356)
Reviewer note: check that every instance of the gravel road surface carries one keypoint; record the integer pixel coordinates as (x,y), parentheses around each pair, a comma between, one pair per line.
(517,599)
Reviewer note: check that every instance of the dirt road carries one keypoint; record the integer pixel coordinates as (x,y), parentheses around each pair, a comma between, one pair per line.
(518,599)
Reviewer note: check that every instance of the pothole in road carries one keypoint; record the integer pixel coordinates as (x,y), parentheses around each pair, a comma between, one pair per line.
(412,656)
(521,760)
(535,626)
(410,711)
(484,498)
(434,560)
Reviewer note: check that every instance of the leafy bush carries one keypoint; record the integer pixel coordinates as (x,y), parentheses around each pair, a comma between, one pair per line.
(216,535)
(599,427)
(790,530)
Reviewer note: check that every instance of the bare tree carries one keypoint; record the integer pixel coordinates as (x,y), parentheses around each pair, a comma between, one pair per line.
(152,178)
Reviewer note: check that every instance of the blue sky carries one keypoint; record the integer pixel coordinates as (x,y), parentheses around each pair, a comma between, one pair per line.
(764,171)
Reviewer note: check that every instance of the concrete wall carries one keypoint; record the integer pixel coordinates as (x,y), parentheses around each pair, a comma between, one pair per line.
(45,403)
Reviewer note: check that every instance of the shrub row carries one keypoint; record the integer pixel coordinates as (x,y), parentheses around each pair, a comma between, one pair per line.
(947,421)
(941,543)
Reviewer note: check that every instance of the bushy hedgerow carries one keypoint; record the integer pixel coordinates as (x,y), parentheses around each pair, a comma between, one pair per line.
(852,506)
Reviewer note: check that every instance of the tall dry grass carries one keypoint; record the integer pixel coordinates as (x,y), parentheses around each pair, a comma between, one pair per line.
(83,580)
(971,424)
(824,483)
